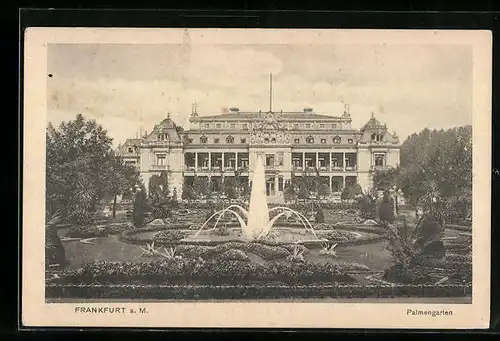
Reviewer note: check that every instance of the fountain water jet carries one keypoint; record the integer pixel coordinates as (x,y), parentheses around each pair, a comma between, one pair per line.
(258,217)
(258,224)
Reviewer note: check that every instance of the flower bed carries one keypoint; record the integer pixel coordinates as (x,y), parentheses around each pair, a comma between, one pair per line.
(86,232)
(246,292)
(215,272)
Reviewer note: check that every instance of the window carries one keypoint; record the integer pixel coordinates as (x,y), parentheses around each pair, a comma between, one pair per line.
(296,141)
(270,160)
(218,126)
(130,149)
(377,137)
(280,183)
(310,139)
(349,141)
(322,125)
(160,159)
(229,139)
(207,125)
(379,159)
(273,140)
(295,126)
(233,126)
(243,140)
(334,125)
(266,140)
(308,125)
(336,139)
(280,159)
(323,141)
(216,140)
(244,126)
(203,139)
(161,137)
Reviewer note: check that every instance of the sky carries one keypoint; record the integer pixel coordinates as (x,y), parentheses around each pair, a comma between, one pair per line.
(408,87)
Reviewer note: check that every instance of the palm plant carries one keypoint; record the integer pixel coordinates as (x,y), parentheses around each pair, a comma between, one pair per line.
(297,254)
(328,249)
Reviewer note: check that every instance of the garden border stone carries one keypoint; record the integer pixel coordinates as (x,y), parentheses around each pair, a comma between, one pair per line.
(256,292)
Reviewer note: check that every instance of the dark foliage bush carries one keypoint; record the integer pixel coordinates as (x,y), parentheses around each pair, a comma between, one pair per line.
(86,232)
(233,255)
(320,216)
(54,250)
(140,209)
(168,237)
(215,271)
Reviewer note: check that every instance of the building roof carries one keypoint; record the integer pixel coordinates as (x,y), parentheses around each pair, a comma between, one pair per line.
(373,123)
(299,115)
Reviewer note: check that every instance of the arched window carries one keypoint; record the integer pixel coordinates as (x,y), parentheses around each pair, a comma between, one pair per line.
(229,139)
(337,139)
(203,139)
(310,139)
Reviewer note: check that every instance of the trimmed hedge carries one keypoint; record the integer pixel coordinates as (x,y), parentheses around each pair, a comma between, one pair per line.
(215,271)
(248,292)
(130,237)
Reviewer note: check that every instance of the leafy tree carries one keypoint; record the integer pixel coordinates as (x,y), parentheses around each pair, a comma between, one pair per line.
(385,210)
(120,178)
(443,156)
(79,159)
(188,192)
(324,190)
(230,188)
(159,196)
(201,186)
(304,192)
(289,194)
(141,208)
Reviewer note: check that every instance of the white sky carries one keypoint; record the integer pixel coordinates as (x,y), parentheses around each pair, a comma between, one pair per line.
(408,87)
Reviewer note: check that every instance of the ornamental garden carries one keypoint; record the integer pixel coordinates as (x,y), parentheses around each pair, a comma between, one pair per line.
(242,248)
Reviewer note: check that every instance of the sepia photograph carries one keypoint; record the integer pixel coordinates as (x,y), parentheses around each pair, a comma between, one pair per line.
(264,167)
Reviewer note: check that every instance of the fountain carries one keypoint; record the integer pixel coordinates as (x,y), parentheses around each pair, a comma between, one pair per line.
(258,225)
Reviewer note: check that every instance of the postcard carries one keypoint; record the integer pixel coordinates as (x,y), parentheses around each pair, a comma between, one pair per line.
(271,178)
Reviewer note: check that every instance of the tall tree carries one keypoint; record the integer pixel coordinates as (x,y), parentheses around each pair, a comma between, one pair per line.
(78,158)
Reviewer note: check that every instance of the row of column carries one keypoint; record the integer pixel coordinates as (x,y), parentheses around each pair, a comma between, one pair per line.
(329,160)
(210,159)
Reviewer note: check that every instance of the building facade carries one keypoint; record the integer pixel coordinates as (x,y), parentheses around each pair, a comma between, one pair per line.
(289,143)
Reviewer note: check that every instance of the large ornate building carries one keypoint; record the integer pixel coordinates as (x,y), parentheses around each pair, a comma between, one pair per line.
(289,143)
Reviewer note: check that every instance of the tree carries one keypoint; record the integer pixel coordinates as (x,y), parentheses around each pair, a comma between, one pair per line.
(141,207)
(188,192)
(289,194)
(78,162)
(121,178)
(385,210)
(230,188)
(443,156)
(324,190)
(159,195)
(201,186)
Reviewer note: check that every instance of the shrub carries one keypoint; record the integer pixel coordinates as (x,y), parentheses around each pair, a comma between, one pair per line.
(234,255)
(215,271)
(86,232)
(339,236)
(168,237)
(140,209)
(221,230)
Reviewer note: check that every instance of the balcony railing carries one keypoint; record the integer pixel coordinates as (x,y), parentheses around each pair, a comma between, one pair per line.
(380,168)
(325,169)
(158,167)
(215,169)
